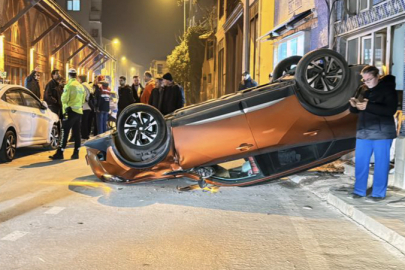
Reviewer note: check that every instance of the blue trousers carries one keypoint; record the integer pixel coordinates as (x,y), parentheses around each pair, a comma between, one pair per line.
(102,118)
(364,151)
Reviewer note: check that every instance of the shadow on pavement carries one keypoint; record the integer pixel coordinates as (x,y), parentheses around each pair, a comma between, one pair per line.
(44,164)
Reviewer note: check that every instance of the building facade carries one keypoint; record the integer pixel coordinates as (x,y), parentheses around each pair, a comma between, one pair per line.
(158,68)
(40,34)
(87,13)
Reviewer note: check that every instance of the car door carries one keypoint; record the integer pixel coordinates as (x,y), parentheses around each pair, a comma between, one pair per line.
(20,114)
(212,132)
(40,127)
(278,120)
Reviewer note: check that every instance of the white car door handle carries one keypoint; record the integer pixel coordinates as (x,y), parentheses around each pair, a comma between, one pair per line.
(13,111)
(33,115)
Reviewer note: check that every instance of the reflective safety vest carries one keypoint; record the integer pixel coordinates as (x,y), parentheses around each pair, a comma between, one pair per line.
(73,96)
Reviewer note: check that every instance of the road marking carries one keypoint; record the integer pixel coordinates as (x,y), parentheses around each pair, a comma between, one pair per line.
(55,210)
(14,236)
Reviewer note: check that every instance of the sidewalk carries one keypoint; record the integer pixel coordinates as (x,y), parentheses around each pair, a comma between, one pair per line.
(385,219)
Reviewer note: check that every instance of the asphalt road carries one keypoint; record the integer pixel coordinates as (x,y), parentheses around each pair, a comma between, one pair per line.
(57,215)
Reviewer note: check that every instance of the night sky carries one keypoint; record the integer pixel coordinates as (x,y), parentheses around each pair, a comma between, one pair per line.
(147,29)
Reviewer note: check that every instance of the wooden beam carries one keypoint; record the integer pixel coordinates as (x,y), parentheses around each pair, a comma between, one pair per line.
(84,61)
(95,63)
(102,63)
(53,26)
(64,44)
(77,52)
(19,16)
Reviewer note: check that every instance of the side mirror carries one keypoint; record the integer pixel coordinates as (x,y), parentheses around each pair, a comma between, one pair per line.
(44,105)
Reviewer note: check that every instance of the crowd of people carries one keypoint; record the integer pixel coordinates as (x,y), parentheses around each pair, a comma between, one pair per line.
(86,108)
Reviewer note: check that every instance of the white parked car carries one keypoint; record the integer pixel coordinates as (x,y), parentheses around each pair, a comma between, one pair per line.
(24,121)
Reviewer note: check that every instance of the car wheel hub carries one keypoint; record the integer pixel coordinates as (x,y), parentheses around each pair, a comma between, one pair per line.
(141,128)
(10,146)
(324,74)
(54,138)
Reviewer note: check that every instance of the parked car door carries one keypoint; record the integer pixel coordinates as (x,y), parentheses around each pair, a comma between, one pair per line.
(40,120)
(20,114)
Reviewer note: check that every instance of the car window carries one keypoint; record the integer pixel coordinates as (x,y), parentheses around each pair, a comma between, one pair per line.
(237,169)
(30,100)
(13,97)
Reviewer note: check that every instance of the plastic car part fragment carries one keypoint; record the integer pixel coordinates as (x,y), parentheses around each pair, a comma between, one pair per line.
(111,178)
(201,173)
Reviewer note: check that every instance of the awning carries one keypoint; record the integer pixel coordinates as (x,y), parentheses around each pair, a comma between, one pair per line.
(288,25)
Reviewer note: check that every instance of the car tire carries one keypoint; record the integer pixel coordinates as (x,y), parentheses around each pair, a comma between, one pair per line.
(141,127)
(54,138)
(322,74)
(285,66)
(142,159)
(8,146)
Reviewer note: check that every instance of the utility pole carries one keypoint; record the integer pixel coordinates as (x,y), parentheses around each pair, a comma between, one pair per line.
(245,61)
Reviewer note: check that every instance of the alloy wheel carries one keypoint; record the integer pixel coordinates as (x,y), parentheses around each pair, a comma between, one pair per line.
(11,146)
(325,74)
(54,137)
(141,128)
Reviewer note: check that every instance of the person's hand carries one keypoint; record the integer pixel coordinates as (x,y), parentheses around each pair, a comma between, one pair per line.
(353,102)
(361,106)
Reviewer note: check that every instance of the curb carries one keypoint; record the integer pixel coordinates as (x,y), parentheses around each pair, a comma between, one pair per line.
(390,236)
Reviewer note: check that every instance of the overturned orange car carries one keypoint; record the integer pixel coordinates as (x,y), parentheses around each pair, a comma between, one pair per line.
(297,122)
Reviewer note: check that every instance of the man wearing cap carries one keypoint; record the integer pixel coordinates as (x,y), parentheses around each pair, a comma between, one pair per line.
(73,98)
(125,95)
(246,82)
(171,96)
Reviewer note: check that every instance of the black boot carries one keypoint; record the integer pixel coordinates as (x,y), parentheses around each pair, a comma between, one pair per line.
(75,154)
(57,155)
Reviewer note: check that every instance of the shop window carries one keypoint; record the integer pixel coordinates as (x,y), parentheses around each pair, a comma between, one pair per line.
(73,5)
(352,52)
(289,47)
(369,54)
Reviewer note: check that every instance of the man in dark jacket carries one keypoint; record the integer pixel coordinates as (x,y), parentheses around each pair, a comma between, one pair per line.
(156,97)
(33,83)
(52,95)
(125,96)
(137,89)
(376,103)
(247,81)
(171,96)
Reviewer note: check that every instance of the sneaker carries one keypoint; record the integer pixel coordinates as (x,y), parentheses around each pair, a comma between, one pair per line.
(374,199)
(355,196)
(58,155)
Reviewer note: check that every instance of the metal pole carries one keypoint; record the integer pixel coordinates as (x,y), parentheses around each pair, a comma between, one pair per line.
(245,63)
(332,24)
(184,4)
